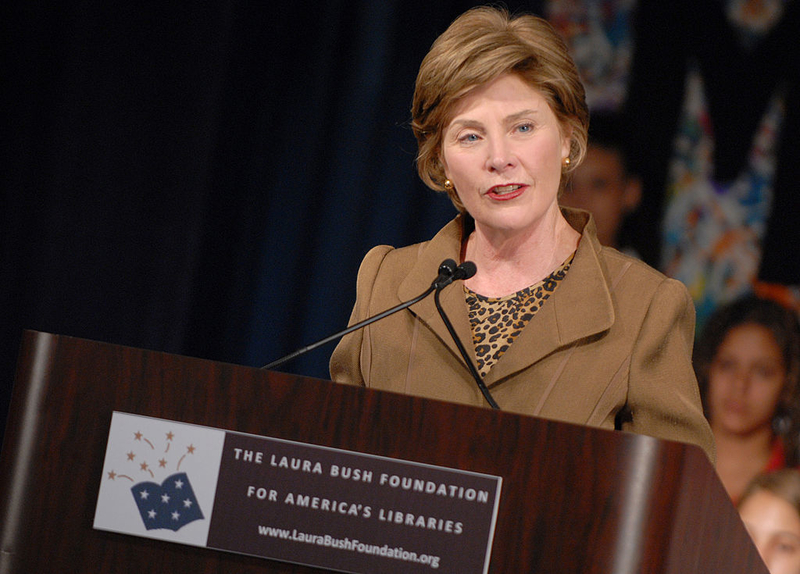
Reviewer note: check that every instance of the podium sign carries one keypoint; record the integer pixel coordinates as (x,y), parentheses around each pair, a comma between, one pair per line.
(291,501)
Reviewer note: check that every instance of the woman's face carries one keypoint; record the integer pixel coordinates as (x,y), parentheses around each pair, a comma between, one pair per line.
(774,526)
(503,151)
(745,380)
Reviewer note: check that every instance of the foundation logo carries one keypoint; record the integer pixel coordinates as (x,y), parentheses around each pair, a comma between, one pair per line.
(146,487)
(171,504)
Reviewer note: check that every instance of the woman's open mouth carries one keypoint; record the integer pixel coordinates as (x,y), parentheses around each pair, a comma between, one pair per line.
(506,192)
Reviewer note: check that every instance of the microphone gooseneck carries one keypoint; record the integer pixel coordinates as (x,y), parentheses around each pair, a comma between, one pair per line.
(464,271)
(447,273)
(447,269)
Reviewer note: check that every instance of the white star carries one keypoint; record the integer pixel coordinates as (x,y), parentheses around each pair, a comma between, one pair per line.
(176,515)
(165,498)
(187,503)
(152,514)
(178,484)
(144,494)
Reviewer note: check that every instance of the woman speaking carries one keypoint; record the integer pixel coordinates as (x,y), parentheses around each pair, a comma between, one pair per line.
(555,325)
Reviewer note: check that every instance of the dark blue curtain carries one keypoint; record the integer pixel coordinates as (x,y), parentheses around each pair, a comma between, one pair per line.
(205,178)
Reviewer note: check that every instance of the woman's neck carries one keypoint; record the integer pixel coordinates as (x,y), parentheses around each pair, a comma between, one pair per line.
(509,262)
(741,457)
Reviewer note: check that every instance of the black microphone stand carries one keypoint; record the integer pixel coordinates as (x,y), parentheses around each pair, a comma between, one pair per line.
(473,371)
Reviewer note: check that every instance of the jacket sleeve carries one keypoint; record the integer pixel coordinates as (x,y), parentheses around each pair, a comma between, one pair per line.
(346,360)
(663,395)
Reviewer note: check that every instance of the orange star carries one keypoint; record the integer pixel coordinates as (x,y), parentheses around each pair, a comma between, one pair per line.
(143,466)
(190,449)
(112,475)
(162,463)
(137,435)
(131,456)
(170,436)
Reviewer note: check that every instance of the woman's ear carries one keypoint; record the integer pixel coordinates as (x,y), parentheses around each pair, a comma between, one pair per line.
(566,140)
(443,166)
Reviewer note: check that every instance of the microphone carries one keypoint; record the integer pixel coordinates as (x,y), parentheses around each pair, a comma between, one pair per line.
(464,271)
(447,270)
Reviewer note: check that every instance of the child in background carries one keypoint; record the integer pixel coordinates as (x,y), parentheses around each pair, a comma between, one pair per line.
(747,362)
(603,184)
(770,509)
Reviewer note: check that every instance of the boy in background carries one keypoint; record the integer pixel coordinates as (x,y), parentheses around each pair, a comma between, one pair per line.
(604,184)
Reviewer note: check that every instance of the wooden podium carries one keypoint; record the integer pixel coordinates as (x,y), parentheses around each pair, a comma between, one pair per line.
(574,499)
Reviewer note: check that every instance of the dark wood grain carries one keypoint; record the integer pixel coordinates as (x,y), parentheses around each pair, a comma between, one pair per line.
(574,499)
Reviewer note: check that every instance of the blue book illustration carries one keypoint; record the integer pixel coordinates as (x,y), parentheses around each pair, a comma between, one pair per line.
(171,504)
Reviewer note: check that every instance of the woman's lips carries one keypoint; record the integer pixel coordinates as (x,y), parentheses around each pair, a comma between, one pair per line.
(506,192)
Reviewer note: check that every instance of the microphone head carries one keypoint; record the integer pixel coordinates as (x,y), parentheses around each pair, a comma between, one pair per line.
(468,269)
(447,267)
(448,272)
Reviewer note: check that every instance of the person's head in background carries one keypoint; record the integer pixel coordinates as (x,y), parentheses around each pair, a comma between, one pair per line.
(604,183)
(747,363)
(770,509)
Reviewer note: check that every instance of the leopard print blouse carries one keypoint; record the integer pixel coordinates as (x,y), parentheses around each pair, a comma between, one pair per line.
(496,322)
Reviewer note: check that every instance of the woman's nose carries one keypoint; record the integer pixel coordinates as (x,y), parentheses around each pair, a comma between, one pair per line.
(500,156)
(741,379)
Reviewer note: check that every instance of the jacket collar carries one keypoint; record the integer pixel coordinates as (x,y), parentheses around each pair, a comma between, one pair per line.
(570,315)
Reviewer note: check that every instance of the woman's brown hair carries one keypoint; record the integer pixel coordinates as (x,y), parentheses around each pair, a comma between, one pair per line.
(785,484)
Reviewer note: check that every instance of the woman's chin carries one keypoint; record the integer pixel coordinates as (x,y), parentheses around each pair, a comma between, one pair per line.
(741,428)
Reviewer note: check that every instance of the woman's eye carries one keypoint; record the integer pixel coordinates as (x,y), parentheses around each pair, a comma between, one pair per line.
(468,138)
(525,128)
(765,372)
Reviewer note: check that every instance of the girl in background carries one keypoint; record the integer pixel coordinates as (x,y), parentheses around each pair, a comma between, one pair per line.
(747,363)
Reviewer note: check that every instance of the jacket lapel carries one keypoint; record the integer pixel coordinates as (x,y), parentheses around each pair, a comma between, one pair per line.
(446,244)
(568,315)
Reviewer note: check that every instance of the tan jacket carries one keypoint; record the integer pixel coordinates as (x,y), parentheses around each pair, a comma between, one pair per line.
(614,342)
